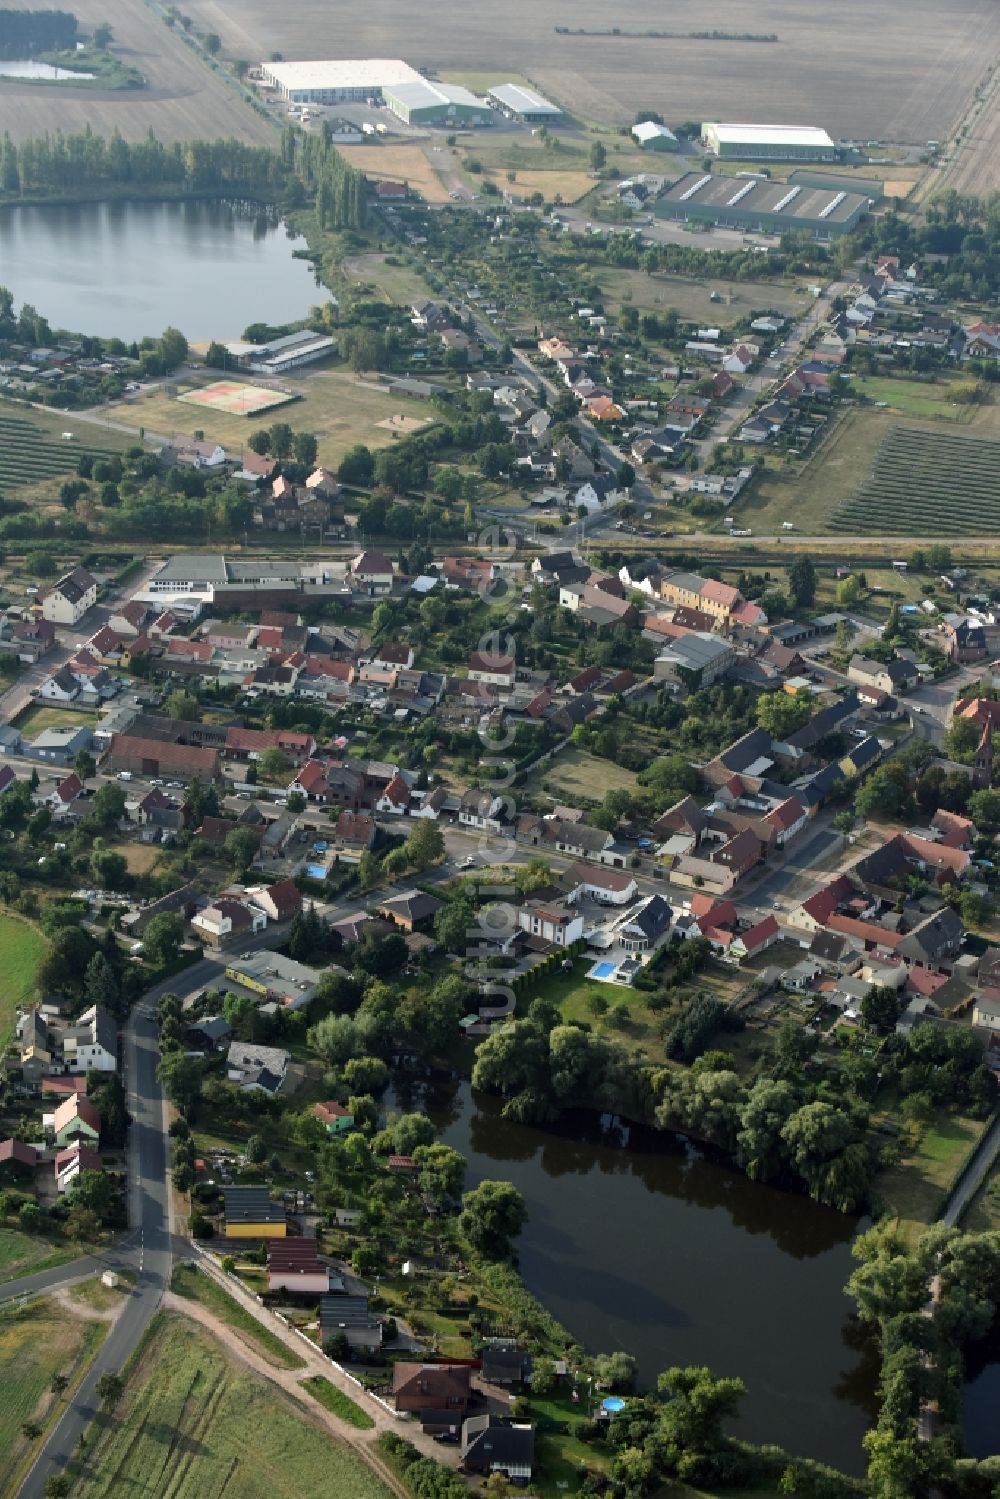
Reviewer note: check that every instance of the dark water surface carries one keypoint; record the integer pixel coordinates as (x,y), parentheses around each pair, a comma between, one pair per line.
(125,270)
(679,1259)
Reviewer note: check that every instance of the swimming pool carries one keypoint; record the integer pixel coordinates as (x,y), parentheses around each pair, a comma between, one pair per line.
(601,971)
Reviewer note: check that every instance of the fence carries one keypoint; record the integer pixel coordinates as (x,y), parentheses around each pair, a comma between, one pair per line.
(206,1264)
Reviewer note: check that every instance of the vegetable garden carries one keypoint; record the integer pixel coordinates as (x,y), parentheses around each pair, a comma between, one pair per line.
(28,454)
(926,483)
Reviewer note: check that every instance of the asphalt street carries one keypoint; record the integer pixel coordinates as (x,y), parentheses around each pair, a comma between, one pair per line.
(150,1253)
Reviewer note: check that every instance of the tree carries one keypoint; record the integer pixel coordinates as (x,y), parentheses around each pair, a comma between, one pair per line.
(425,844)
(962,739)
(102,36)
(57,1486)
(598,156)
(213,43)
(781,713)
(274,763)
(162,939)
(173,347)
(58,1383)
(241,849)
(984,808)
(281,440)
(887,795)
(357,466)
(217,356)
(802,581)
(100,983)
(256,1149)
(455,924)
(109,1388)
(697,1408)
(259,442)
(85,765)
(849,591)
(180,1076)
(492,1215)
(182,705)
(305,449)
(442,1172)
(625,476)
(615,1371)
(881,1007)
(409,1131)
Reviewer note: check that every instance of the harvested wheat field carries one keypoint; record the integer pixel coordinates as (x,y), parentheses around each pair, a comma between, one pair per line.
(407,164)
(184,98)
(899,70)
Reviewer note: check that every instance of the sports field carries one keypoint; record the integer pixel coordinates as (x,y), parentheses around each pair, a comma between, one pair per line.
(335,405)
(237,398)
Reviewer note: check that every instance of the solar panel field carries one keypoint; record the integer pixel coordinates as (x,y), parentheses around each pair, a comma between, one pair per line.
(926,483)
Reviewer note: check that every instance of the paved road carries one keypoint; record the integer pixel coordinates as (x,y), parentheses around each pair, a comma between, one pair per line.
(148,1214)
(971,1178)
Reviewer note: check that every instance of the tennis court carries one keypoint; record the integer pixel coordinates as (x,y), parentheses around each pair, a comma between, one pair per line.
(236,398)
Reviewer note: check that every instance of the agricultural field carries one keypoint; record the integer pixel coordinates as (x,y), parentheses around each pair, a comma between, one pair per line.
(399,163)
(693,299)
(926,484)
(29,453)
(822,75)
(23,947)
(193,1423)
(183,97)
(35,1344)
(811,493)
(332,403)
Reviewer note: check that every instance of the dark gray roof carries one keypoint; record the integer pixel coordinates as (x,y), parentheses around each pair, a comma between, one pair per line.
(252,1205)
(491,1443)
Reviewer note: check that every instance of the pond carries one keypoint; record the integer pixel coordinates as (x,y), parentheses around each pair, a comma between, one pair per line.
(40,70)
(658,1249)
(981,1396)
(127,269)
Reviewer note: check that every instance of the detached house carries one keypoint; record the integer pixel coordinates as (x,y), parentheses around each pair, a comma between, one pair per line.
(372,573)
(493,669)
(67,601)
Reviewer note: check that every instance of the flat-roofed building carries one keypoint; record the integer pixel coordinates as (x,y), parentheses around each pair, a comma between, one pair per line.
(520,103)
(769,142)
(757,203)
(337,81)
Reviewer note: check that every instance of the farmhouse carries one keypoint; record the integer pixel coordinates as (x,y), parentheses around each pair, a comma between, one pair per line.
(768,142)
(758,203)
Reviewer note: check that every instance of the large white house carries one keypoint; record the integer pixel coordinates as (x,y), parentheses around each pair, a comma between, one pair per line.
(67,601)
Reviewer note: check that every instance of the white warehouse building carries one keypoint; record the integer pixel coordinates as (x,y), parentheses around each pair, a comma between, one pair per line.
(769,142)
(344,81)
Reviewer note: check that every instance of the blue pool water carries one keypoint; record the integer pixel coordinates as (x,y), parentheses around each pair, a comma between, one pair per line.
(316,871)
(612,1404)
(602,971)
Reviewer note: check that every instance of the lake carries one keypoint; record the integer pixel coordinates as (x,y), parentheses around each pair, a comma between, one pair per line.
(125,270)
(44,70)
(680,1259)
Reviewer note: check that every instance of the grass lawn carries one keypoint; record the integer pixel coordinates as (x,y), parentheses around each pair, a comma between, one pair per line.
(140,857)
(194,1284)
(36,1344)
(927,398)
(399,283)
(336,1401)
(40,716)
(331,403)
(692,298)
(577,775)
(913,1190)
(21,1254)
(983,1213)
(192,1424)
(23,947)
